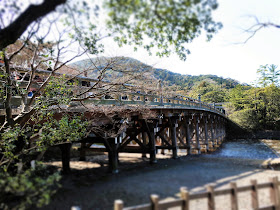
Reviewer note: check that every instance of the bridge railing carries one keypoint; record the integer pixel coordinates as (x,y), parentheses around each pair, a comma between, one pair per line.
(150,99)
(126,94)
(136,98)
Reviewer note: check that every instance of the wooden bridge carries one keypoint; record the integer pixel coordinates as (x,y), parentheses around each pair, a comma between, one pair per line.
(176,122)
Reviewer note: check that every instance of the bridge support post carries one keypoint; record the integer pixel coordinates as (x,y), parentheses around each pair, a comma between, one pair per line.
(188,137)
(82,152)
(113,156)
(216,138)
(197,134)
(206,133)
(173,125)
(212,134)
(152,141)
(219,131)
(65,156)
(224,129)
(187,133)
(144,140)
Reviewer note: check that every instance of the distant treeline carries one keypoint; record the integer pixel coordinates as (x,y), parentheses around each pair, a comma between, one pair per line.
(188,81)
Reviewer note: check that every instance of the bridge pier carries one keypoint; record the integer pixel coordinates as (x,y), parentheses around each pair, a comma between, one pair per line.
(65,157)
(82,152)
(197,143)
(144,139)
(188,135)
(212,145)
(173,126)
(150,127)
(206,132)
(113,155)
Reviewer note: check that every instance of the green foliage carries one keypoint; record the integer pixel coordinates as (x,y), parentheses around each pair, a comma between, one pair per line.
(23,187)
(15,145)
(29,188)
(64,130)
(256,108)
(215,96)
(56,92)
(268,75)
(246,118)
(161,23)
(8,143)
(210,92)
(238,96)
(189,81)
(20,185)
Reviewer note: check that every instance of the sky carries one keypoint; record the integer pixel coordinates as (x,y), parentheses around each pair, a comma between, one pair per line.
(226,54)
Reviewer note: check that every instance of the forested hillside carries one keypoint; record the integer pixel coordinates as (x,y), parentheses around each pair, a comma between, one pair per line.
(118,66)
(189,80)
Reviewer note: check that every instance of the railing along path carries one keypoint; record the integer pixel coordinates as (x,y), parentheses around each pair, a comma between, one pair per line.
(210,194)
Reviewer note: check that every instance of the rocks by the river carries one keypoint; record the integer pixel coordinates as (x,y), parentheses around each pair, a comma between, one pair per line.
(271,163)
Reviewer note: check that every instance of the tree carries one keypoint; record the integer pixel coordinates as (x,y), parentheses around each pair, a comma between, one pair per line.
(215,96)
(164,23)
(210,91)
(238,97)
(256,108)
(268,75)
(142,23)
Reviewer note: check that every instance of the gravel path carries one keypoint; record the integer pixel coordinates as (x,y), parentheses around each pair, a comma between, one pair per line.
(93,188)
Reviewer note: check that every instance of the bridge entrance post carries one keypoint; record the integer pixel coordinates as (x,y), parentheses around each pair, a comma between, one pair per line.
(173,126)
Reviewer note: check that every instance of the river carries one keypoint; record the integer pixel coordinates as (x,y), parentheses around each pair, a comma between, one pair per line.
(246,149)
(237,161)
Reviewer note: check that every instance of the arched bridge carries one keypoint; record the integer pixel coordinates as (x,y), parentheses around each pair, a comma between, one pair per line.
(174,123)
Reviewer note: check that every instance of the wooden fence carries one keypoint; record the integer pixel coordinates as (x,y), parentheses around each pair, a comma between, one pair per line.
(210,194)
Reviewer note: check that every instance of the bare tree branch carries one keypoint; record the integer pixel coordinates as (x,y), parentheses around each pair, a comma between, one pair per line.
(11,33)
(252,30)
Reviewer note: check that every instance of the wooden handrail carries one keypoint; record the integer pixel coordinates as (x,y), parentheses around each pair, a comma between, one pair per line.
(147,97)
(183,202)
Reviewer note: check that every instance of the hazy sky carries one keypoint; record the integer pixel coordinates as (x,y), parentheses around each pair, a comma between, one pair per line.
(222,56)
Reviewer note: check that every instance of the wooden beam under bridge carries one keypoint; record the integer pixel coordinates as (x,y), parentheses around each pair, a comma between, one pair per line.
(192,130)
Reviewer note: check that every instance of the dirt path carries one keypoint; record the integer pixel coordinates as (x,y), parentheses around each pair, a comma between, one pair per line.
(93,188)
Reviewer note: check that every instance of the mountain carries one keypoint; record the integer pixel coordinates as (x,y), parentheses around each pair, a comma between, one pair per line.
(120,66)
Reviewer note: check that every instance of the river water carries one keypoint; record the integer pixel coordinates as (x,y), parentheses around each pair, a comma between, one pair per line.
(245,149)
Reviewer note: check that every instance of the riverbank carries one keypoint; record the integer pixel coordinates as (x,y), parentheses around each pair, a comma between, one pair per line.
(93,188)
